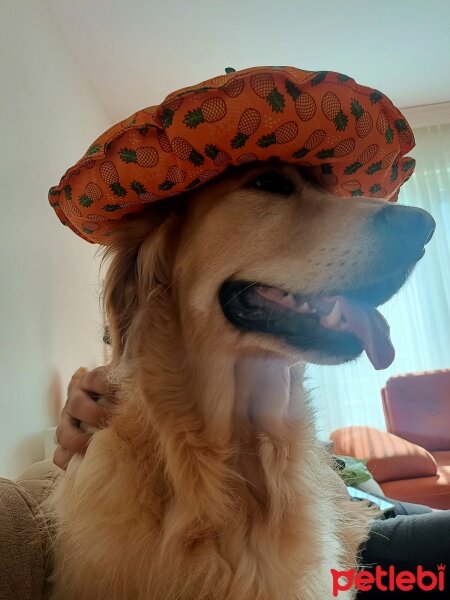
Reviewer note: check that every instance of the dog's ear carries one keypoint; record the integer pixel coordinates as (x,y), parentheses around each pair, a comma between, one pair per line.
(139,260)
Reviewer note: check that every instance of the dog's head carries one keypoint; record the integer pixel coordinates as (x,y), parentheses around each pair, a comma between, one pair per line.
(262,258)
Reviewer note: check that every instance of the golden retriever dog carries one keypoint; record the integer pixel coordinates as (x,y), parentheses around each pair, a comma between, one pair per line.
(208,482)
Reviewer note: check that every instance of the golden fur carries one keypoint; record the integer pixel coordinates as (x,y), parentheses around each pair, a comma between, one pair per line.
(209,483)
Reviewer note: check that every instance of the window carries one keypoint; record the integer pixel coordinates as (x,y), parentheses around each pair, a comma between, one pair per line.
(419,315)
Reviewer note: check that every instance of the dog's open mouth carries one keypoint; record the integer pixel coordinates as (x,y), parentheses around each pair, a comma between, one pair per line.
(339,325)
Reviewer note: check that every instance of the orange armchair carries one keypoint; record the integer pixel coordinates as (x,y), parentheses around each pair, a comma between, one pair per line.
(417,408)
(411,461)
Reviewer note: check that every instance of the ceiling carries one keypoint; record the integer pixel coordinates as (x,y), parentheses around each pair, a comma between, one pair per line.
(135,52)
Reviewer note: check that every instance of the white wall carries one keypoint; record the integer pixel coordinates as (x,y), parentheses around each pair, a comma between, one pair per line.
(50,321)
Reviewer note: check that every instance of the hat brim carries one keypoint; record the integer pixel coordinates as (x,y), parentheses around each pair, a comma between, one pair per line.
(352,139)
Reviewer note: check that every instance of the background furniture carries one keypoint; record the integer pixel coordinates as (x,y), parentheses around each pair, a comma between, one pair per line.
(411,461)
(417,408)
(26,536)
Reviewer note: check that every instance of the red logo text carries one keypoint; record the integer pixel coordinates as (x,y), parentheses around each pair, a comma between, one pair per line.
(388,580)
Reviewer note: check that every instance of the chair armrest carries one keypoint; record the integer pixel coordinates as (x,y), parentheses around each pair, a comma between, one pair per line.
(24,544)
(39,479)
(26,536)
(388,457)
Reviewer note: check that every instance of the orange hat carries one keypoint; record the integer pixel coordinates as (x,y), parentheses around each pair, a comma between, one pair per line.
(351,137)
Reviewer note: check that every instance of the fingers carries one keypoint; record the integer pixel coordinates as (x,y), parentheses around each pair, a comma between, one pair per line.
(75,377)
(70,437)
(70,441)
(81,408)
(96,383)
(61,457)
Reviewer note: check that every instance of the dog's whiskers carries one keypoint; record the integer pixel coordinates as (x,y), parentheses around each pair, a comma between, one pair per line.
(152,294)
(269,317)
(238,293)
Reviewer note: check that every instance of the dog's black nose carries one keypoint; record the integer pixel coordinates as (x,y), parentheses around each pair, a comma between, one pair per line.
(413,223)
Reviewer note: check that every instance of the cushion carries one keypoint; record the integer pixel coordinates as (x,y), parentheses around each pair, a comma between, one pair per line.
(351,138)
(387,456)
(24,544)
(443,461)
(25,540)
(39,479)
(431,491)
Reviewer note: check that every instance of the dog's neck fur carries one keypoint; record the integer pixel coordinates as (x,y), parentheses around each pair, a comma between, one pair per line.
(207,482)
(227,455)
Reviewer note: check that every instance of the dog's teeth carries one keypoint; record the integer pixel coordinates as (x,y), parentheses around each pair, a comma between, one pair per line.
(335,315)
(291,298)
(304,308)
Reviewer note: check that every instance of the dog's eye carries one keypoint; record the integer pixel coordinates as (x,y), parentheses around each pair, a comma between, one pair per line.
(274,183)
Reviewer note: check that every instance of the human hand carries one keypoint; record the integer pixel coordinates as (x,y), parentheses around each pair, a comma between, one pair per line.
(83,414)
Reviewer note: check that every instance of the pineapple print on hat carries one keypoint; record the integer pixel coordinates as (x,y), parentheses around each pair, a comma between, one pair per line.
(404,131)
(141,192)
(129,121)
(91,193)
(164,142)
(385,163)
(394,172)
(321,121)
(219,156)
(150,110)
(233,88)
(331,108)
(353,186)
(363,159)
(314,140)
(327,177)
(285,133)
(247,157)
(210,111)
(72,210)
(203,177)
(184,151)
(90,227)
(384,127)
(97,217)
(376,191)
(375,96)
(53,197)
(248,124)
(144,157)
(339,151)
(320,77)
(110,176)
(408,167)
(167,111)
(264,86)
(364,122)
(305,105)
(93,150)
(388,159)
(174,176)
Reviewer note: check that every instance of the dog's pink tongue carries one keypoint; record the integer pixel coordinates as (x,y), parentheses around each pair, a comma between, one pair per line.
(372,329)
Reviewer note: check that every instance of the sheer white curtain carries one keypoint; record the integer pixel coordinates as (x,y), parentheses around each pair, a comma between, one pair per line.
(419,315)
